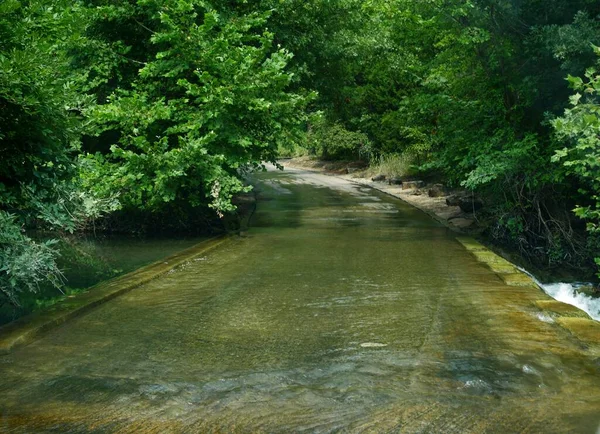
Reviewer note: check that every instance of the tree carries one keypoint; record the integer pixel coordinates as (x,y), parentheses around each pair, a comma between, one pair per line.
(210,97)
(579,128)
(39,129)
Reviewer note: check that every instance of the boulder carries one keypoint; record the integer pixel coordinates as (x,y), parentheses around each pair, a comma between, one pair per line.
(410,185)
(378,178)
(395,181)
(437,190)
(453,200)
(589,290)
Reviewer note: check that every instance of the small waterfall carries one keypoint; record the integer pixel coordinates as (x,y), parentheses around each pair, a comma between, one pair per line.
(567,293)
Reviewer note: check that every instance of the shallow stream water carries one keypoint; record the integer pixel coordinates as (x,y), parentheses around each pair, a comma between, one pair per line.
(343,309)
(87,261)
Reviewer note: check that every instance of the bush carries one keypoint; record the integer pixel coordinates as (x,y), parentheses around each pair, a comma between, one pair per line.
(334,142)
(393,165)
(26,265)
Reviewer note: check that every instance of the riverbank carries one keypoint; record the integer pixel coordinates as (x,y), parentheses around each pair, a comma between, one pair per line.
(86,260)
(450,216)
(28,328)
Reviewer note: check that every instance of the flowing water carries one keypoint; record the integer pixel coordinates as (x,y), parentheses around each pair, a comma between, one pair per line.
(568,293)
(571,293)
(342,310)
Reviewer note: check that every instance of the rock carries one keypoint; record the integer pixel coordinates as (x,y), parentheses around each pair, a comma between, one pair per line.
(453,200)
(437,190)
(466,201)
(409,185)
(470,204)
(352,169)
(589,290)
(378,178)
(395,181)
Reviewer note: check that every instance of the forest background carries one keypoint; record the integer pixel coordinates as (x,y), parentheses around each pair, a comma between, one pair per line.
(144,116)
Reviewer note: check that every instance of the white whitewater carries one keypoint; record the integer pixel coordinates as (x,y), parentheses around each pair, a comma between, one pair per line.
(567,293)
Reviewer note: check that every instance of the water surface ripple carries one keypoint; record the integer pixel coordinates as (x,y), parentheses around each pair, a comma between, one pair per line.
(342,310)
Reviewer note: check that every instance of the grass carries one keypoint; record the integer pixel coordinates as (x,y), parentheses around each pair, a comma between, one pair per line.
(392,165)
(45,303)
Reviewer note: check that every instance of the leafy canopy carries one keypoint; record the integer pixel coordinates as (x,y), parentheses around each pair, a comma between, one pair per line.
(210,97)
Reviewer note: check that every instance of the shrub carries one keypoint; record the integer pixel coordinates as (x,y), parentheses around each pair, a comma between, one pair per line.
(334,142)
(25,265)
(393,165)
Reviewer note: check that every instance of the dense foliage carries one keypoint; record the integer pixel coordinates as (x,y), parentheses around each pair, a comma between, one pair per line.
(334,142)
(39,106)
(129,109)
(467,90)
(116,110)
(209,97)
(580,129)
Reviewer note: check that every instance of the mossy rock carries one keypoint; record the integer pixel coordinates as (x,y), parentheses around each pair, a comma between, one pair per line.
(585,329)
(517,279)
(590,291)
(490,257)
(561,309)
(471,245)
(500,268)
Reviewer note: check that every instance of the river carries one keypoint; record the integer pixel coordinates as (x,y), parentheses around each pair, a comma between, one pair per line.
(342,309)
